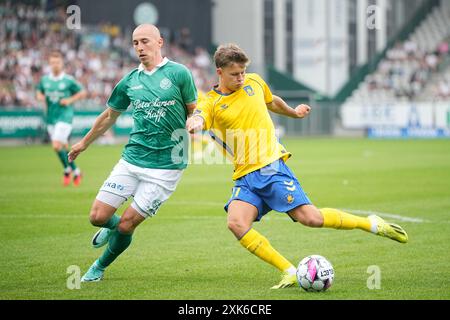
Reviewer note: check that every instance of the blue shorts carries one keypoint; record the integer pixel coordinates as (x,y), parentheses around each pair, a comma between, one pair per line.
(273,187)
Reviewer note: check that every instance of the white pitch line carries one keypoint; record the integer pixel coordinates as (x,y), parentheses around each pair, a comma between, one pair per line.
(387,215)
(209,204)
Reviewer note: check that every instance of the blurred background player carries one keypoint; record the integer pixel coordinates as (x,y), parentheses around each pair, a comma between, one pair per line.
(237,110)
(163,95)
(59,91)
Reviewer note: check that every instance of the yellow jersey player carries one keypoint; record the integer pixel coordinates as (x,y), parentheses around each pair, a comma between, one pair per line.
(236,112)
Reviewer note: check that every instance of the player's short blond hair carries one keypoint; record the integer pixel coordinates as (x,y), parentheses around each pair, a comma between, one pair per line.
(230,53)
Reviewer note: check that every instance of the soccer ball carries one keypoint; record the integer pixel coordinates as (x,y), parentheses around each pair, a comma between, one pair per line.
(315,273)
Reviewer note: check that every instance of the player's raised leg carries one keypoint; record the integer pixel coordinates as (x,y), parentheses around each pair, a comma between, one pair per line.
(241,216)
(103,215)
(310,216)
(119,241)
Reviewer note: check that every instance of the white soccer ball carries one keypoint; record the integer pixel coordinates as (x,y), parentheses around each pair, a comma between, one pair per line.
(315,273)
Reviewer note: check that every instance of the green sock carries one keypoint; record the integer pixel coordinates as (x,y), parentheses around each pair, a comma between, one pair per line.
(112,223)
(117,244)
(62,155)
(73,165)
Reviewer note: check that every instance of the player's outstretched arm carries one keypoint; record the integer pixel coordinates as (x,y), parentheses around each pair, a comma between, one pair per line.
(195,124)
(279,106)
(103,122)
(77,96)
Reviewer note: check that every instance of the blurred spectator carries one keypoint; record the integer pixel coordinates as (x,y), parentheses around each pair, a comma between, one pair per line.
(443,89)
(406,71)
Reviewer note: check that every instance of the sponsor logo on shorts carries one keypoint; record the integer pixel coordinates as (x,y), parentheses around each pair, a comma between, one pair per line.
(114,185)
(154,207)
(289,185)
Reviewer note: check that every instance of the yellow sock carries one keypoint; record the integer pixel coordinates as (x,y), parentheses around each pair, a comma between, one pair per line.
(337,219)
(260,246)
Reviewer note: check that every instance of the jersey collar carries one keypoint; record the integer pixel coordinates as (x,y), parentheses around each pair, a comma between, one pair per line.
(158,66)
(60,77)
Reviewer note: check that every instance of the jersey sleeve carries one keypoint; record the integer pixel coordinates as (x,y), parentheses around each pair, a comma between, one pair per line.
(119,100)
(75,86)
(205,110)
(187,86)
(268,96)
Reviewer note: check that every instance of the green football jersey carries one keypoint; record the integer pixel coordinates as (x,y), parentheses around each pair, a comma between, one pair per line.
(158,100)
(55,89)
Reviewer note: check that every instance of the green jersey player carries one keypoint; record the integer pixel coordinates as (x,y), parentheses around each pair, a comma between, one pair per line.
(59,91)
(162,95)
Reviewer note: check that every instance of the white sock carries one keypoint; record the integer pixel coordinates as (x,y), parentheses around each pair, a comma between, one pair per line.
(291,270)
(374,225)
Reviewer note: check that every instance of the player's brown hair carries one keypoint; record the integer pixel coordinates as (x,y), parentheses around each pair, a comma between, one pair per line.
(55,54)
(230,53)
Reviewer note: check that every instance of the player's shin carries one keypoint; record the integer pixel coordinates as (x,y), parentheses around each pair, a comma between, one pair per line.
(261,247)
(117,244)
(62,155)
(337,219)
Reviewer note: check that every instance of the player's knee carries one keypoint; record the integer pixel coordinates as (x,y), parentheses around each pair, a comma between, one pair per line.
(310,218)
(57,147)
(97,218)
(126,226)
(237,226)
(309,221)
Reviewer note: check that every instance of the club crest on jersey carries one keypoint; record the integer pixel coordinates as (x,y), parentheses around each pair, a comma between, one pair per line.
(61,86)
(290,198)
(249,90)
(165,84)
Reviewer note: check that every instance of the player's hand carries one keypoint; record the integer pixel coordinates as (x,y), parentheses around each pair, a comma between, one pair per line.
(302,110)
(76,150)
(194,124)
(64,102)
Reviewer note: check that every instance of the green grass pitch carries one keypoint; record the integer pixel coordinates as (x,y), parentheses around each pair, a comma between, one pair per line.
(187,252)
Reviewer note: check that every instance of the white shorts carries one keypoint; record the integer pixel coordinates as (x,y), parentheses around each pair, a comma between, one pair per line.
(59,132)
(149,187)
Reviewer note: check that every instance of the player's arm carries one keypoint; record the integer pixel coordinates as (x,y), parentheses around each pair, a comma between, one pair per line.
(190,109)
(40,96)
(195,124)
(77,96)
(103,122)
(279,106)
(201,119)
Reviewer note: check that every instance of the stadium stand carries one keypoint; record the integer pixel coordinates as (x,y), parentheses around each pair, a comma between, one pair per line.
(415,69)
(98,56)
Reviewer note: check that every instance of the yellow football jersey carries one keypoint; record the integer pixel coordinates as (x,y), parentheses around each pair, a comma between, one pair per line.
(240,123)
(201,96)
